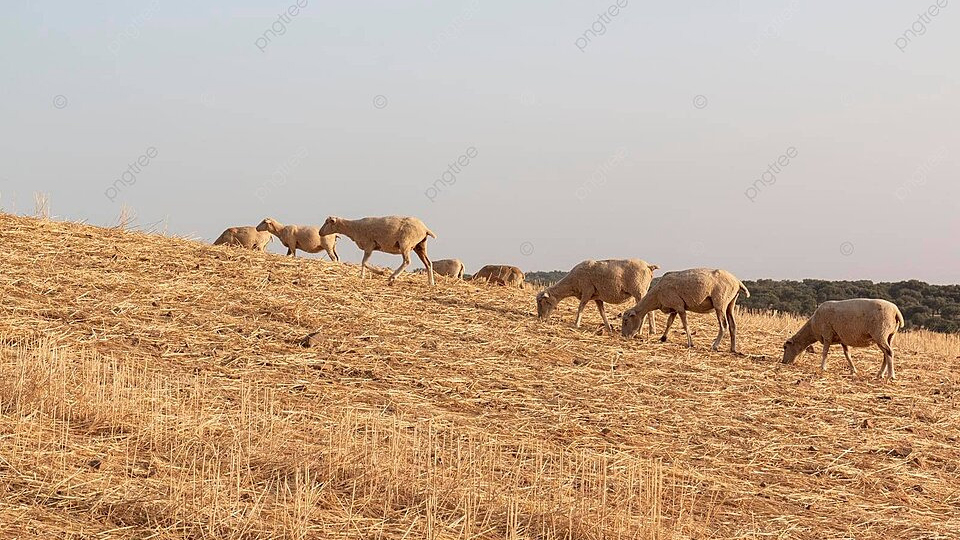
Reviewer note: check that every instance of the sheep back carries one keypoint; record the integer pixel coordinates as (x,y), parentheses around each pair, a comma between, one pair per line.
(857,322)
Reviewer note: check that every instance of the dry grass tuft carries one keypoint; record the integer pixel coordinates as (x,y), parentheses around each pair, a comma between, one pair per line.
(156,387)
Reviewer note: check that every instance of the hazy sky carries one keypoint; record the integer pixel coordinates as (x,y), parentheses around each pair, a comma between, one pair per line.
(635,136)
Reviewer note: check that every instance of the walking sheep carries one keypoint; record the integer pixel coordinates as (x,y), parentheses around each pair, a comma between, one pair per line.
(500,274)
(397,235)
(448,267)
(246,237)
(850,323)
(613,280)
(699,290)
(302,237)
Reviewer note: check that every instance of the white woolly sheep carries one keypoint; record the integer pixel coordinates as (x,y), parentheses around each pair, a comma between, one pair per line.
(397,235)
(699,290)
(500,274)
(851,323)
(448,267)
(302,237)
(613,280)
(246,237)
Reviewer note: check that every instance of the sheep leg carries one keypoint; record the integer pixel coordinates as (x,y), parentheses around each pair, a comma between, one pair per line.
(363,264)
(732,325)
(823,358)
(291,252)
(893,375)
(673,315)
(421,251)
(603,315)
(652,322)
(883,367)
(887,367)
(683,319)
(846,353)
(722,321)
(404,264)
(332,253)
(583,304)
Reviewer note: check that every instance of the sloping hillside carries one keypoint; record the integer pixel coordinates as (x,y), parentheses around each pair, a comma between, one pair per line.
(155,387)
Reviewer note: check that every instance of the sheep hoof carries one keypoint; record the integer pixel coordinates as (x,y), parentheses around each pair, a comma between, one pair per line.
(663,339)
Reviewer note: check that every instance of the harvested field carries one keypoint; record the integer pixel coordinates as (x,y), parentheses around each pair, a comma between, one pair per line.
(154,387)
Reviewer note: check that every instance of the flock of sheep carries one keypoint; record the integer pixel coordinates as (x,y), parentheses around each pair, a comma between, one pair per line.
(849,323)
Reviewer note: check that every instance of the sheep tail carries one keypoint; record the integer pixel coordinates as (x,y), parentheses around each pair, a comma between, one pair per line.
(900,321)
(743,289)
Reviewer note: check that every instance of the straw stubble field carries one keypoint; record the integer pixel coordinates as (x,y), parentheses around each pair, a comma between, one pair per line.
(154,387)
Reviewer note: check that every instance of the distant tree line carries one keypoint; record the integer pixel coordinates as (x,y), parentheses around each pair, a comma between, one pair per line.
(544,278)
(934,307)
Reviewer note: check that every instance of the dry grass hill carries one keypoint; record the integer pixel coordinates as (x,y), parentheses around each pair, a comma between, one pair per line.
(153,387)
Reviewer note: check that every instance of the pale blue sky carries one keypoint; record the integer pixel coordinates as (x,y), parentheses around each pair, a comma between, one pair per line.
(873,193)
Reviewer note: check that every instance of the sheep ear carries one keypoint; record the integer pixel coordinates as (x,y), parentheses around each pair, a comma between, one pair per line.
(654,267)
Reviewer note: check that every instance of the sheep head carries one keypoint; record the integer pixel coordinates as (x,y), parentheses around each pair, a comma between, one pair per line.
(267,225)
(545,305)
(331,226)
(791,350)
(631,323)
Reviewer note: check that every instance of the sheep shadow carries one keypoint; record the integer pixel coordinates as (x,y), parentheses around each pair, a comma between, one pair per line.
(453,302)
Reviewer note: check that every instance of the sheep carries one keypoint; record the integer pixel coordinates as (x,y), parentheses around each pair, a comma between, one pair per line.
(303,237)
(500,274)
(698,290)
(850,323)
(245,237)
(397,235)
(449,267)
(612,280)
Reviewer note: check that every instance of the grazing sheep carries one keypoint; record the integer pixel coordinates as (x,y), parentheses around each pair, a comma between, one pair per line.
(448,267)
(699,290)
(850,323)
(500,274)
(397,235)
(613,280)
(303,237)
(246,237)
